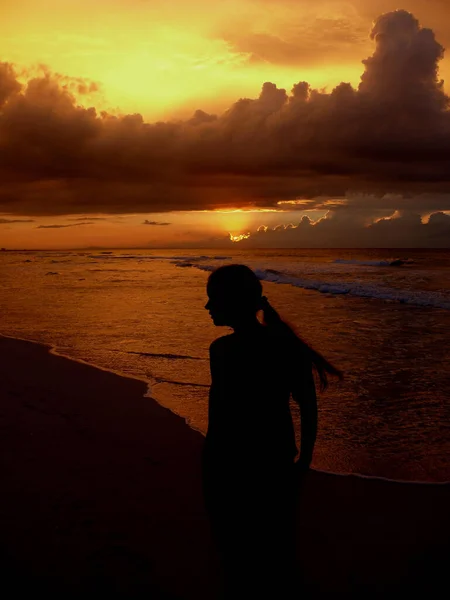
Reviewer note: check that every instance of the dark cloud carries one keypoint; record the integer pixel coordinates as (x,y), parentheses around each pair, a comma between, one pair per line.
(390,136)
(9,221)
(420,203)
(147,222)
(348,229)
(54,226)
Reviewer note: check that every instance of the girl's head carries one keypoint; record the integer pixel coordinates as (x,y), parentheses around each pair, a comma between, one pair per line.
(234,295)
(234,298)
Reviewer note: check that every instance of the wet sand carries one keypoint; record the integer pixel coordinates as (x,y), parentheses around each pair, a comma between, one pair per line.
(101,494)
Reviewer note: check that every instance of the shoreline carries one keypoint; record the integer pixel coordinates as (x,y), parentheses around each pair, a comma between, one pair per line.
(103,484)
(53,350)
(102,493)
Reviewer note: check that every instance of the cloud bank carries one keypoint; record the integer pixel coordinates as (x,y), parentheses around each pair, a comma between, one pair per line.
(388,141)
(345,229)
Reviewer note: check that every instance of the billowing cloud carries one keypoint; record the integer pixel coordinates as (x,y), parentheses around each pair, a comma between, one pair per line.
(389,136)
(76,85)
(147,222)
(8,83)
(353,229)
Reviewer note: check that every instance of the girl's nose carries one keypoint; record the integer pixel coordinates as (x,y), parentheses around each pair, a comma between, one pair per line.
(207,305)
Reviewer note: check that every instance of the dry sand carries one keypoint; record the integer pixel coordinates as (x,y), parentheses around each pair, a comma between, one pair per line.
(101,494)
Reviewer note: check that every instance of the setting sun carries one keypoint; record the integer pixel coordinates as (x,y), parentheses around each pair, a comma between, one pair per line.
(239,238)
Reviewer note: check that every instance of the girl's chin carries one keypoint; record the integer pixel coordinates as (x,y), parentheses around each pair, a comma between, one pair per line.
(218,322)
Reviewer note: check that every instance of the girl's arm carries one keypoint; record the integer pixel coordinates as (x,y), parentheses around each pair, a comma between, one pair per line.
(304,394)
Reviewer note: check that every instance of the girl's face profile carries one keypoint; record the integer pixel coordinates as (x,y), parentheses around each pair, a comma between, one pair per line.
(233,293)
(217,309)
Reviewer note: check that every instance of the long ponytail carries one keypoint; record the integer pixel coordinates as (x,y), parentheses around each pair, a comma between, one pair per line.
(272,319)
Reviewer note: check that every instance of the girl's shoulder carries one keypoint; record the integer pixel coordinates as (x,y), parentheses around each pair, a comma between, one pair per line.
(221,344)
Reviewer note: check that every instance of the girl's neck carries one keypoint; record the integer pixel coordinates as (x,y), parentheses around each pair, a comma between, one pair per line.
(247,326)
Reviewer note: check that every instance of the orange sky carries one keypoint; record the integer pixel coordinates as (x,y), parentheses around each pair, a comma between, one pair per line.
(168,58)
(165,59)
(204,228)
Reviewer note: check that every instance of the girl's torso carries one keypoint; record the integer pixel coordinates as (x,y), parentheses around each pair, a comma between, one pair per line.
(249,414)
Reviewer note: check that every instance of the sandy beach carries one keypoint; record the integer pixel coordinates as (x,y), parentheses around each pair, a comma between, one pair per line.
(101,493)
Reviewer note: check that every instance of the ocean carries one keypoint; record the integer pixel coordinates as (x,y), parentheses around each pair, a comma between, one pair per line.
(381,316)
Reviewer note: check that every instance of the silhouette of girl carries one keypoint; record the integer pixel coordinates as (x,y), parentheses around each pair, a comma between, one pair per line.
(249,471)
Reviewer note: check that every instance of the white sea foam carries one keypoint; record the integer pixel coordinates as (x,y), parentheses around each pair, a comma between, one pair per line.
(374,263)
(351,288)
(364,290)
(365,263)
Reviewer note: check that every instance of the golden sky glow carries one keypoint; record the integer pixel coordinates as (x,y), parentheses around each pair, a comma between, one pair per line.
(165,60)
(163,230)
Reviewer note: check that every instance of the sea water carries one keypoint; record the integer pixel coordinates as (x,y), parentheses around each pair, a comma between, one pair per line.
(382,316)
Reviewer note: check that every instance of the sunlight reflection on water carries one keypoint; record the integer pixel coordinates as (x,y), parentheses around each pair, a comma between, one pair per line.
(145,318)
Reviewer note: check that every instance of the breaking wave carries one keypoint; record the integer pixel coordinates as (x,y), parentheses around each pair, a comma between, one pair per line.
(350,288)
(395,262)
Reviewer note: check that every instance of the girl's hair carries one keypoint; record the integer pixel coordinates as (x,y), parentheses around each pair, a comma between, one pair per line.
(241,285)
(322,366)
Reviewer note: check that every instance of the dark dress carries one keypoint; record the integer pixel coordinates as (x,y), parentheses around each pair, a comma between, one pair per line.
(248,461)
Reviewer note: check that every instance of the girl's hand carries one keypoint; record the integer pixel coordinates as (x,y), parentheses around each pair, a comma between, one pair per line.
(303,464)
